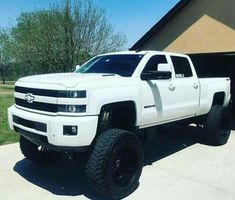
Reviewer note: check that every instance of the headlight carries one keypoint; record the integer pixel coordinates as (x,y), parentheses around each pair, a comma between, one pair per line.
(72,108)
(77,94)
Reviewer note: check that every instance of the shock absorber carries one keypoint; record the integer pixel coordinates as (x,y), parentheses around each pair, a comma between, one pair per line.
(105,119)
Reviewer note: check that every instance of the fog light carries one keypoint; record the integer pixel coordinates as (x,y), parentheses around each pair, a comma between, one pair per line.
(70,130)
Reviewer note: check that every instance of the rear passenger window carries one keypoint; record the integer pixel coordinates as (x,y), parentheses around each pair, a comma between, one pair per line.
(152,64)
(182,67)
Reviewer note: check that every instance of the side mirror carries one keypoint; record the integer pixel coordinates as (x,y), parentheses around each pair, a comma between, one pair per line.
(77,67)
(156,75)
(164,67)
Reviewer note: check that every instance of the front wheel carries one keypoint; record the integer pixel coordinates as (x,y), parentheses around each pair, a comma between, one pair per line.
(218,125)
(37,154)
(115,165)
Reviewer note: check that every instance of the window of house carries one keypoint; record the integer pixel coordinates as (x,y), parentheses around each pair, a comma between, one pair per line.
(182,67)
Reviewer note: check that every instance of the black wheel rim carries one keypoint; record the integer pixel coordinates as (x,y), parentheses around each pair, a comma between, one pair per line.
(124,166)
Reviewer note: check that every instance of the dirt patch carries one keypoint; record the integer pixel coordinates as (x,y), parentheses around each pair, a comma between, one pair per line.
(6,92)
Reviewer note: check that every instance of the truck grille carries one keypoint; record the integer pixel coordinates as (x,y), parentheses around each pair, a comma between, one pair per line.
(41,92)
(30,124)
(36,99)
(37,105)
(31,136)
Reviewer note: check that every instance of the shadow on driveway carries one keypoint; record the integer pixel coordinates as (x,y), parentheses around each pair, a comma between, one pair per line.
(67,177)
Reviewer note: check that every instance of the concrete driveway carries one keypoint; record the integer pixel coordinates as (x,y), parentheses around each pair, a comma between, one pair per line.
(177,166)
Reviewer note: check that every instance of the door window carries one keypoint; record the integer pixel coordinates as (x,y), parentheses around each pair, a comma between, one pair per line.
(182,67)
(152,64)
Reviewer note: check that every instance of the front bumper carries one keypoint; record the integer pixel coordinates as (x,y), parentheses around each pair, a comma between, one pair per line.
(53,133)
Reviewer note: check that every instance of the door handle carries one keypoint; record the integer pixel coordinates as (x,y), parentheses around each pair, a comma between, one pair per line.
(171,87)
(195,85)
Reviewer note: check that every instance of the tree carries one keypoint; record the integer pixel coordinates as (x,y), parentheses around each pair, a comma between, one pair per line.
(67,34)
(5,59)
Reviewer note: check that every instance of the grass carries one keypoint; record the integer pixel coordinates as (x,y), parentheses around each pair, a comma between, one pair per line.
(6,89)
(8,82)
(6,99)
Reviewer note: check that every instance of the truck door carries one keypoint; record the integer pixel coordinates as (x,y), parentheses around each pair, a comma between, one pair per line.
(157,95)
(186,88)
(168,99)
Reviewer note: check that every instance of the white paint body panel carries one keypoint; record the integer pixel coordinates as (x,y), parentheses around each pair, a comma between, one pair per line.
(210,86)
(86,127)
(190,97)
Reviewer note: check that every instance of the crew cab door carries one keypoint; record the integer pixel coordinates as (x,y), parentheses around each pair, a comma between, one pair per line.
(169,99)
(187,88)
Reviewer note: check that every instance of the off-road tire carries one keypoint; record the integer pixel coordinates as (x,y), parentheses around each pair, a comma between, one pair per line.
(103,163)
(37,154)
(218,125)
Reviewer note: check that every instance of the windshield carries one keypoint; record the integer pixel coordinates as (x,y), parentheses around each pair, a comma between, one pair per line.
(123,65)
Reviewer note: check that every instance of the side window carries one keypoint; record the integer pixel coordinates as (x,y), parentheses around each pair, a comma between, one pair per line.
(153,62)
(182,67)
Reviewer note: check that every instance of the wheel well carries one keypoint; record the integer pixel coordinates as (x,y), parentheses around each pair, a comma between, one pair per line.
(120,115)
(218,99)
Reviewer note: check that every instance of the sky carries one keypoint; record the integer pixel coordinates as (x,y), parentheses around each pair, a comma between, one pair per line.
(133,18)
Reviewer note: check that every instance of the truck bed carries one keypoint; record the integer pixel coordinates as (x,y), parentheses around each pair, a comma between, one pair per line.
(210,86)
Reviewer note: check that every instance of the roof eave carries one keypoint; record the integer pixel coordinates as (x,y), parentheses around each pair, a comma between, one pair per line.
(160,24)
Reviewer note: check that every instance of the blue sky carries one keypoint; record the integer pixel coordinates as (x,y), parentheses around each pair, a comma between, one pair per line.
(130,17)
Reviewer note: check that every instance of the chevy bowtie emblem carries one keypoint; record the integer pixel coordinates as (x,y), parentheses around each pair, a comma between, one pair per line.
(29,97)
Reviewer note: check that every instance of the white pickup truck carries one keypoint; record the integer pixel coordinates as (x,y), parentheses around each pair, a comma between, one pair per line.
(100,108)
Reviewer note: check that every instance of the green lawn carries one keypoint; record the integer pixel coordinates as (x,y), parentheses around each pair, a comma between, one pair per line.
(6,99)
(6,89)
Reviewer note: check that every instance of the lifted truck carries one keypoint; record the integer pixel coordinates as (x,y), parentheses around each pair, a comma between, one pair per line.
(100,107)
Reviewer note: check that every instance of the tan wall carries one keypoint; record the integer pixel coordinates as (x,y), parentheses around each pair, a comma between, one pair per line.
(205,35)
(202,26)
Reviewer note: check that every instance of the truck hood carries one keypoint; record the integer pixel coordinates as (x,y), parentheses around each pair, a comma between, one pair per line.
(66,79)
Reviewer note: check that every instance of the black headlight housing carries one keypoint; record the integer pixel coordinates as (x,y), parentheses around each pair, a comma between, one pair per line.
(76,94)
(72,108)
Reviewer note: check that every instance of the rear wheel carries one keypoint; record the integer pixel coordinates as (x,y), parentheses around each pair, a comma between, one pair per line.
(218,125)
(115,165)
(37,154)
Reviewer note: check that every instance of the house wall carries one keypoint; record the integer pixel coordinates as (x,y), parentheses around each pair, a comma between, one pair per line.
(202,26)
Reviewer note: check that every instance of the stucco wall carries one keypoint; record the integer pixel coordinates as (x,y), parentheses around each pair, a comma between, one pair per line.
(202,26)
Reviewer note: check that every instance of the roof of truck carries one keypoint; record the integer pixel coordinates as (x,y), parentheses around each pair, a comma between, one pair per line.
(144,52)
